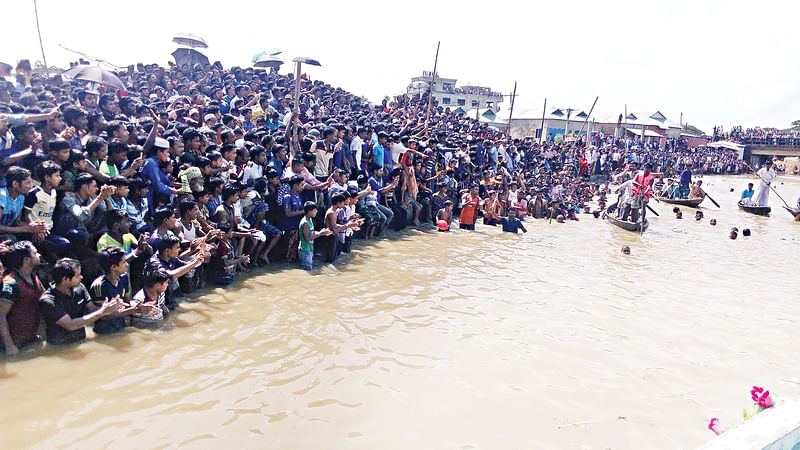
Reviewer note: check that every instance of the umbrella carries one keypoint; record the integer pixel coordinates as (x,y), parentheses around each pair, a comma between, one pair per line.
(189,56)
(190,40)
(307,60)
(270,52)
(94,74)
(272,61)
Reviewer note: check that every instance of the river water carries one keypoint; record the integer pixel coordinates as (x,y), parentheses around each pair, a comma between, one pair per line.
(553,339)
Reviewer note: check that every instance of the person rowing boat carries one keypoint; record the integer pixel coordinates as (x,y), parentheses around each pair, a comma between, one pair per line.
(696,191)
(642,192)
(767,175)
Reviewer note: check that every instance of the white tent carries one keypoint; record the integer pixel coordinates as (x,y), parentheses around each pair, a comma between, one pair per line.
(647,133)
(729,145)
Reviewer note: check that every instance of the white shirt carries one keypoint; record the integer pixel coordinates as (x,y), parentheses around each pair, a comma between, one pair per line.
(44,206)
(397,149)
(356,146)
(626,189)
(252,171)
(512,196)
(767,175)
(237,214)
(189,234)
(349,211)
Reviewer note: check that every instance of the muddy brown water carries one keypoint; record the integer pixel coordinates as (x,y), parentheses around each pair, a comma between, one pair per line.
(552,339)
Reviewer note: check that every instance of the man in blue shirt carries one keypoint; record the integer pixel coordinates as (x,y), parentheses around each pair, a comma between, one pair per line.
(12,201)
(159,183)
(274,121)
(374,198)
(747,194)
(378,149)
(685,182)
(512,224)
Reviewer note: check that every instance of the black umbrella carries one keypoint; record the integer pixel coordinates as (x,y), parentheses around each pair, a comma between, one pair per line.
(189,56)
(94,74)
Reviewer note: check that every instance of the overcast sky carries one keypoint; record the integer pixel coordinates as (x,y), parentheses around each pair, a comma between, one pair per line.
(718,62)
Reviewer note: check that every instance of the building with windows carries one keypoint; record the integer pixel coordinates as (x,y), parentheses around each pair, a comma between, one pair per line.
(447,94)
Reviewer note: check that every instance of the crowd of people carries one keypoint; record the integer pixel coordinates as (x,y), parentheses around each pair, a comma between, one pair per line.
(758,136)
(115,203)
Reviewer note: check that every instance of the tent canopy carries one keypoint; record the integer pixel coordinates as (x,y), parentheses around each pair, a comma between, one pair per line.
(647,133)
(729,145)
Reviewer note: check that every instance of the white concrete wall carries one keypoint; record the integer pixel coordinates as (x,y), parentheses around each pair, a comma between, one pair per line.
(777,428)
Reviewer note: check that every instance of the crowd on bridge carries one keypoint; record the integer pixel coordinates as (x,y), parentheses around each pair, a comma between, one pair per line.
(115,203)
(758,136)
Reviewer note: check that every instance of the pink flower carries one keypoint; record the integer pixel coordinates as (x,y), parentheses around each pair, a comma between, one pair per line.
(717,427)
(755,393)
(765,401)
(761,397)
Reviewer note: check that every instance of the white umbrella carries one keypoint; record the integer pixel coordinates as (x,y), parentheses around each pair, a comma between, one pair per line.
(270,52)
(190,40)
(272,61)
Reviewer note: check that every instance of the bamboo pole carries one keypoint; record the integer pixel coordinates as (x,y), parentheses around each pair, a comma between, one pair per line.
(433,84)
(296,102)
(511,112)
(544,111)
(41,46)
(584,123)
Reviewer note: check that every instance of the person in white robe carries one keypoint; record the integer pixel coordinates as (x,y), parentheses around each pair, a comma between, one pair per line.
(767,175)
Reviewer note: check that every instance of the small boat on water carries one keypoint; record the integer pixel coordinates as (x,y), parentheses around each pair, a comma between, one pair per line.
(758,210)
(689,202)
(624,224)
(795,212)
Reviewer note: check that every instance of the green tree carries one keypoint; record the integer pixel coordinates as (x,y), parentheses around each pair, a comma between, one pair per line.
(694,130)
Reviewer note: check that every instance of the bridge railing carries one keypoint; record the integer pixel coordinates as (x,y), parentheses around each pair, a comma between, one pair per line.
(773,142)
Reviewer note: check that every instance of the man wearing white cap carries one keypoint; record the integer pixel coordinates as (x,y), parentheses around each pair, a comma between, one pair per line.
(767,175)
(160,185)
(208,122)
(194,117)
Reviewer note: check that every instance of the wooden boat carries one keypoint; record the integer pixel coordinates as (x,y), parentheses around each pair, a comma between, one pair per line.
(689,202)
(624,224)
(758,210)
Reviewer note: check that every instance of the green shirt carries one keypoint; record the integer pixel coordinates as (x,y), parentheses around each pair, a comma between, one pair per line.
(128,240)
(305,245)
(109,170)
